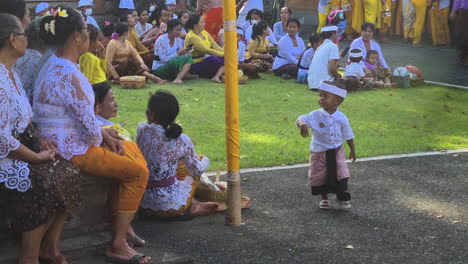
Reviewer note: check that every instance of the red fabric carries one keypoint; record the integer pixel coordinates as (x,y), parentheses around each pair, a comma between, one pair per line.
(214,21)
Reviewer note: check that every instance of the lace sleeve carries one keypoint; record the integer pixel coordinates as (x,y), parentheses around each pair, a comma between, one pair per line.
(195,166)
(7,142)
(81,107)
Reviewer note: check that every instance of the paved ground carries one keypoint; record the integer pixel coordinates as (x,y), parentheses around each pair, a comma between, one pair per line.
(411,210)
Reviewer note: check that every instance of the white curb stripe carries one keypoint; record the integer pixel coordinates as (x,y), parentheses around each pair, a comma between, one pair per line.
(385,157)
(447,84)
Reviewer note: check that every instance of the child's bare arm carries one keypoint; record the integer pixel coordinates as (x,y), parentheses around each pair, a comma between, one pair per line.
(303,127)
(352,153)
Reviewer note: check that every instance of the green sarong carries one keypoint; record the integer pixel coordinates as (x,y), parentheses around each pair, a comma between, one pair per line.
(170,70)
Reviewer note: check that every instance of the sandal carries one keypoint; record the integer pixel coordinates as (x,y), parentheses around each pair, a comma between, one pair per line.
(134,260)
(136,241)
(324,204)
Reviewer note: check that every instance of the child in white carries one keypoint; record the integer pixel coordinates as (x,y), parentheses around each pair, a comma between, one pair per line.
(315,40)
(328,171)
(354,68)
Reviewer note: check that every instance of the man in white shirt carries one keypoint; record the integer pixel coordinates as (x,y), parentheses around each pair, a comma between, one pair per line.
(171,5)
(86,8)
(324,66)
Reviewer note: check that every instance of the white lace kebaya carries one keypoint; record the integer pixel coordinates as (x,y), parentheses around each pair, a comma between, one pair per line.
(64,108)
(162,156)
(15,115)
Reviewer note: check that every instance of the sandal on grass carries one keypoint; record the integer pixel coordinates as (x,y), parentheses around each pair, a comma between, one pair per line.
(136,241)
(134,260)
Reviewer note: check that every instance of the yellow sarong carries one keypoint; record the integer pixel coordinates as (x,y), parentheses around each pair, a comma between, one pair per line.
(373,12)
(439,26)
(414,16)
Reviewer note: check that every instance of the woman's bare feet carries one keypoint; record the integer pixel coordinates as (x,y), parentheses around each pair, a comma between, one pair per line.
(28,260)
(178,82)
(134,239)
(203,208)
(124,252)
(216,80)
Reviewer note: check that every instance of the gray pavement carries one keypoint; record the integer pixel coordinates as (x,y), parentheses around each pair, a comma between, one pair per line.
(406,211)
(438,64)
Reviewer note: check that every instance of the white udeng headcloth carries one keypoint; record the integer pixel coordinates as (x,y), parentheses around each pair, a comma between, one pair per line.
(171,2)
(333,89)
(85,3)
(355,54)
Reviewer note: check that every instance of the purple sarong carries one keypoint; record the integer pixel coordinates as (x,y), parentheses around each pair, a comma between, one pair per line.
(208,67)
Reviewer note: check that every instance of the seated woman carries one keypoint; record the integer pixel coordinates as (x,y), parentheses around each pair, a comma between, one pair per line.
(290,49)
(93,63)
(123,60)
(36,193)
(164,146)
(171,60)
(26,65)
(162,18)
(315,40)
(64,113)
(208,56)
(273,42)
(365,43)
(146,54)
(280,28)
(107,30)
(142,27)
(257,51)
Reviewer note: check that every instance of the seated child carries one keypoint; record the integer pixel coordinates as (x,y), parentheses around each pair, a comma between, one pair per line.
(93,63)
(315,40)
(258,49)
(162,143)
(375,71)
(328,171)
(354,75)
(248,69)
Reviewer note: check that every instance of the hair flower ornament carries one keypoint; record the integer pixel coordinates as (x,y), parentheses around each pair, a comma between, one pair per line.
(59,12)
(107,23)
(115,36)
(50,27)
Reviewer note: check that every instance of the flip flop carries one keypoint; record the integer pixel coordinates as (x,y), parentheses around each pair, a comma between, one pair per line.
(136,241)
(134,260)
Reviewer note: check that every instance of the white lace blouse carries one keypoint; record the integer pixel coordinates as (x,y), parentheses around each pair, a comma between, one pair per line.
(26,68)
(15,115)
(162,156)
(64,108)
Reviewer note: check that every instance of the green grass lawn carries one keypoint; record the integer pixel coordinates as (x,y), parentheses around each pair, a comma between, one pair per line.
(385,121)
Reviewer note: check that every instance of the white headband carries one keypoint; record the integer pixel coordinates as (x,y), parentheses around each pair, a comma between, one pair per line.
(170,2)
(355,54)
(332,89)
(240,32)
(329,28)
(85,3)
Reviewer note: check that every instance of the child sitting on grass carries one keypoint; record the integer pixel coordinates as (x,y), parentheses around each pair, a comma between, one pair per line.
(354,75)
(375,71)
(315,40)
(328,171)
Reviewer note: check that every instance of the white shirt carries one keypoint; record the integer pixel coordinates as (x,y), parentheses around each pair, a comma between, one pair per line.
(139,29)
(91,21)
(354,69)
(126,4)
(359,44)
(249,5)
(271,38)
(63,105)
(305,61)
(15,113)
(287,53)
(241,51)
(328,130)
(318,70)
(165,51)
(278,30)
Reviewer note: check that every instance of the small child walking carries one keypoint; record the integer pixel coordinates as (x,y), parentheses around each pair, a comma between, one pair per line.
(328,171)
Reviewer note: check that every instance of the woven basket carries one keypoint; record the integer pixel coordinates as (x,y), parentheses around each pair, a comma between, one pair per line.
(205,193)
(133,82)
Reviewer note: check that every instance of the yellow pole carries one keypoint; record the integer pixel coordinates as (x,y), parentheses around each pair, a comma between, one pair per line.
(233,217)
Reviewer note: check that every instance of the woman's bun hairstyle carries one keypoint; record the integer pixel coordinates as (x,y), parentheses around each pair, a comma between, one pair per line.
(56,28)
(192,21)
(165,108)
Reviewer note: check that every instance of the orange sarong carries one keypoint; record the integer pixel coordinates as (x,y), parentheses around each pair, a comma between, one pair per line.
(129,169)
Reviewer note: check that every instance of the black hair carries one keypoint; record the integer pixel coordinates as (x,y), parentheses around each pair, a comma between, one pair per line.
(314,38)
(172,24)
(257,30)
(124,17)
(181,14)
(254,11)
(121,28)
(33,34)
(327,34)
(370,52)
(352,59)
(193,20)
(107,30)
(165,108)
(93,33)
(10,25)
(294,20)
(100,91)
(59,28)
(289,9)
(13,7)
(367,25)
